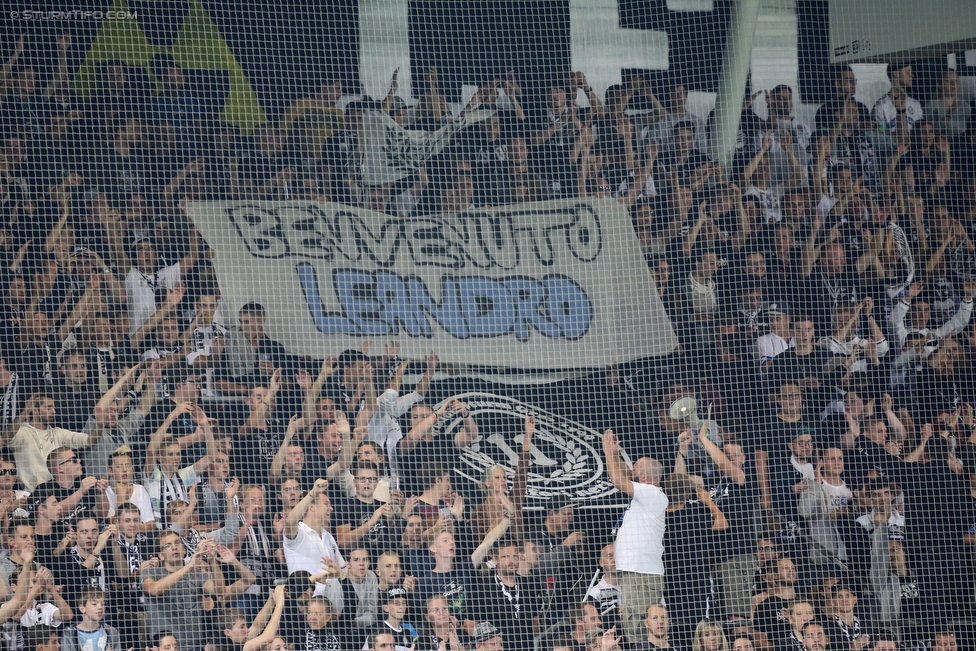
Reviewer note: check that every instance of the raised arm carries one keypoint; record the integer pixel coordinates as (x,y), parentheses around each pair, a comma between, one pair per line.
(348,451)
(201,464)
(173,298)
(959,320)
(109,397)
(152,450)
(367,387)
(387,105)
(619,475)
(841,333)
(156,587)
(310,404)
(257,642)
(21,590)
(397,380)
(596,106)
(796,168)
(916,454)
(726,467)
(54,234)
(479,554)
(719,521)
(753,163)
(111,223)
(257,418)
(59,81)
(245,577)
(81,309)
(898,431)
(513,91)
(192,256)
(634,193)
(278,463)
(692,237)
(936,258)
(424,384)
(298,512)
(8,65)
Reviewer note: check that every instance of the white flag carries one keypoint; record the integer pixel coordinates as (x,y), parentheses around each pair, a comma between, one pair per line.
(391,153)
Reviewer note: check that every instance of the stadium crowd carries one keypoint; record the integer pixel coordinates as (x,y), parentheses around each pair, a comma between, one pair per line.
(171,478)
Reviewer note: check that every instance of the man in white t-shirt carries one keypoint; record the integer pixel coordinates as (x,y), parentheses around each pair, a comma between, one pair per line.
(896,112)
(307,540)
(824,496)
(639,545)
(145,278)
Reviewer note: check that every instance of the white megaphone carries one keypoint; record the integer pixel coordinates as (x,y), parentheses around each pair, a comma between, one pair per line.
(686,409)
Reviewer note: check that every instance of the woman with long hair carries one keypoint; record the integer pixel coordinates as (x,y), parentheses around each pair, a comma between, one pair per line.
(499,501)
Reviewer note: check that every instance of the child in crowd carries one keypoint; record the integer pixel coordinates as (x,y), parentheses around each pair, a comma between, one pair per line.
(91,633)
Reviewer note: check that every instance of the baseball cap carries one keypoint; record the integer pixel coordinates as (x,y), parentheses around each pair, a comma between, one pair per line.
(395,592)
(484,631)
(777,309)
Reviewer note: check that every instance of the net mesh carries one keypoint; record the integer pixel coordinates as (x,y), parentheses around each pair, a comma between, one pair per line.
(527,325)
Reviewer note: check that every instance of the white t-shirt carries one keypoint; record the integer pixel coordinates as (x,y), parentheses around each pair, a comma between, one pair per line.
(41,613)
(885,113)
(805,469)
(604,594)
(140,291)
(772,212)
(304,551)
(139,497)
(837,496)
(771,345)
(639,545)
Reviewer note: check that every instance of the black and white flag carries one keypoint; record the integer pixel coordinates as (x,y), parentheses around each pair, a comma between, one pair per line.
(392,153)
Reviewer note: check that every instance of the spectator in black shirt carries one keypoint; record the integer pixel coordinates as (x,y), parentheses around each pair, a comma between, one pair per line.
(832,283)
(81,566)
(76,393)
(692,167)
(75,492)
(768,615)
(558,547)
(363,520)
(581,619)
(261,434)
(815,638)
(658,624)
(733,489)
(506,598)
(686,563)
(442,630)
(806,365)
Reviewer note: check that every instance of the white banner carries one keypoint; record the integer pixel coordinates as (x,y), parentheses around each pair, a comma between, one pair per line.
(549,285)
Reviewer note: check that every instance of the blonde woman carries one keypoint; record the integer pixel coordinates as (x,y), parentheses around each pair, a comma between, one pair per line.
(498,503)
(709,636)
